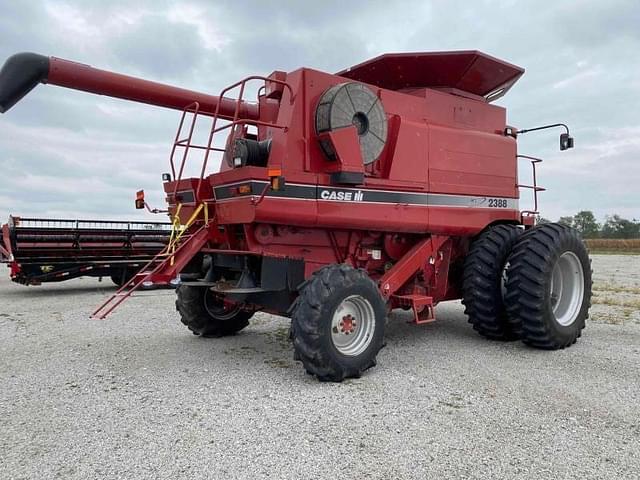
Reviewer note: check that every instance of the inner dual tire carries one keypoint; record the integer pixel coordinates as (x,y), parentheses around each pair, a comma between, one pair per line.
(534,286)
(483,285)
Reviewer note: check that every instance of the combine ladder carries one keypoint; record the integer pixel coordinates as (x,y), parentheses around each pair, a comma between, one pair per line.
(157,271)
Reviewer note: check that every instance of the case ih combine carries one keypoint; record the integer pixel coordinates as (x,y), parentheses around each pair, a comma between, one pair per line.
(391,184)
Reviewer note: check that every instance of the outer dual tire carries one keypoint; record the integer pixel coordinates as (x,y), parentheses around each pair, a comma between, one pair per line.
(549,286)
(337,323)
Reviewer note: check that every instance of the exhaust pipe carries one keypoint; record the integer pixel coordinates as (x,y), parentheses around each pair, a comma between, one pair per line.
(23,71)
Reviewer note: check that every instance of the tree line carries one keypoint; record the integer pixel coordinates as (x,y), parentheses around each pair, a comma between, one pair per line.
(614,226)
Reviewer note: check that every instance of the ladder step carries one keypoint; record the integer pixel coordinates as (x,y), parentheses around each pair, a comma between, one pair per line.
(422,306)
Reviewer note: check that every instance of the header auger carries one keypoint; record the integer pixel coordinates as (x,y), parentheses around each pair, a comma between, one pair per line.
(391,184)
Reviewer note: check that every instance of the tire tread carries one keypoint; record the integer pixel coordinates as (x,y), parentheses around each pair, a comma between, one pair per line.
(307,322)
(481,291)
(193,314)
(531,263)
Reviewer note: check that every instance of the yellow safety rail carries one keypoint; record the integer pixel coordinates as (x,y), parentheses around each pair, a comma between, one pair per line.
(177,229)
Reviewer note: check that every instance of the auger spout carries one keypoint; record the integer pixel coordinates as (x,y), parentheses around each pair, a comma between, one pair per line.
(22,72)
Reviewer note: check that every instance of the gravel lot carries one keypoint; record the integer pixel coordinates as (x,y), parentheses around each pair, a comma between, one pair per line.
(138,396)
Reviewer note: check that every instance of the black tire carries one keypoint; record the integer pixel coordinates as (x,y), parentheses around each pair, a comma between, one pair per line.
(482,282)
(529,298)
(311,322)
(122,276)
(204,315)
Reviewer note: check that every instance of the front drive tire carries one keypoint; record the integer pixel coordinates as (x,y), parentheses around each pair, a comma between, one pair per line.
(337,323)
(549,286)
(207,316)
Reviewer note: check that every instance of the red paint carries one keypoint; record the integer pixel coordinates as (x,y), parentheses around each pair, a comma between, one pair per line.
(83,77)
(471,72)
(348,324)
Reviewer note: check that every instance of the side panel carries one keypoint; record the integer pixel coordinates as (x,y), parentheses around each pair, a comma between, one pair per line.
(471,162)
(411,154)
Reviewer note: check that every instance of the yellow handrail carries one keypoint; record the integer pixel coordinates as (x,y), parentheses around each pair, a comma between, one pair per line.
(177,229)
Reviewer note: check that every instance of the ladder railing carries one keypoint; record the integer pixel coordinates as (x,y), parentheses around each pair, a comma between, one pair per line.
(534,186)
(184,142)
(235,123)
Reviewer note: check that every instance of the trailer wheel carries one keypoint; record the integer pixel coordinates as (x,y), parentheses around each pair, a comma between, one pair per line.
(204,315)
(483,282)
(337,323)
(121,277)
(549,286)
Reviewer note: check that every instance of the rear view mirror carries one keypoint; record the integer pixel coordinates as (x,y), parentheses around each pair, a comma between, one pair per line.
(566,141)
(140,199)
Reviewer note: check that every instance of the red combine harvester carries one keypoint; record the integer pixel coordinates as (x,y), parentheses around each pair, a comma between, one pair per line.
(391,184)
(40,250)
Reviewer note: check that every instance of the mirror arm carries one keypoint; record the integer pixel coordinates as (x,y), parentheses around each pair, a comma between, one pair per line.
(544,127)
(566,141)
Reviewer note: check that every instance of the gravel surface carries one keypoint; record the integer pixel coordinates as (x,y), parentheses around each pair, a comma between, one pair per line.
(137,396)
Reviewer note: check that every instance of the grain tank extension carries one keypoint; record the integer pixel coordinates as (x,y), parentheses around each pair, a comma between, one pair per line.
(339,197)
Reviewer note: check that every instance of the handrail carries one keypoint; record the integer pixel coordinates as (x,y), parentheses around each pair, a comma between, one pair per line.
(194,108)
(257,77)
(535,188)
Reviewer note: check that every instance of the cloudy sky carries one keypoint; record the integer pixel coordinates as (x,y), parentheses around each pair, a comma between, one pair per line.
(70,154)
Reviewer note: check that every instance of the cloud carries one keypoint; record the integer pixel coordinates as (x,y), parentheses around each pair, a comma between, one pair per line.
(584,75)
(197,17)
(140,47)
(66,152)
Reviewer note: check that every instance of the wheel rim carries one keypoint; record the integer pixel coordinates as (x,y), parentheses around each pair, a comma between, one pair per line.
(567,288)
(216,308)
(352,325)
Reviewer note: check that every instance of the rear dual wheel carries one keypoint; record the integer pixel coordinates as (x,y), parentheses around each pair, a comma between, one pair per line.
(535,286)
